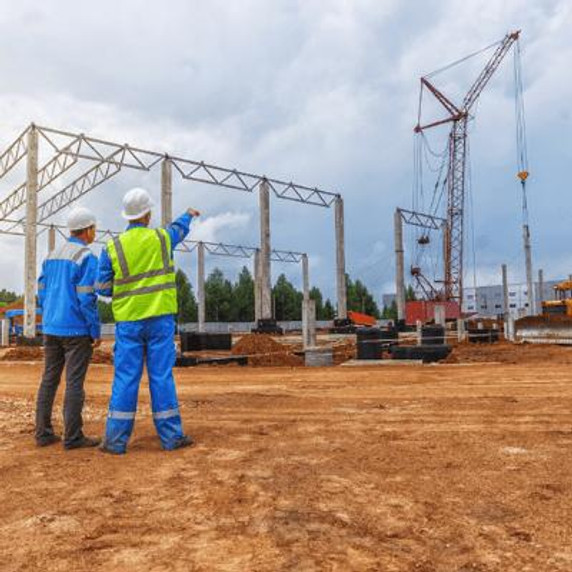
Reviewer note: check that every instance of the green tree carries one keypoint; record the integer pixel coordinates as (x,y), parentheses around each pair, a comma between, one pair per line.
(105,312)
(410,293)
(7,296)
(360,299)
(390,312)
(287,300)
(329,312)
(187,304)
(218,297)
(243,297)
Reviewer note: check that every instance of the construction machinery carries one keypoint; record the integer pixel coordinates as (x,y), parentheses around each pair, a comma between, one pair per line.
(449,193)
(554,325)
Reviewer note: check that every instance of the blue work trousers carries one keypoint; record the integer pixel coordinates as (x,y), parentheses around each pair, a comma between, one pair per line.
(150,341)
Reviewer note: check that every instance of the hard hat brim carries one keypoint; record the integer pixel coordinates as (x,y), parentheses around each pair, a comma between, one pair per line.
(137,215)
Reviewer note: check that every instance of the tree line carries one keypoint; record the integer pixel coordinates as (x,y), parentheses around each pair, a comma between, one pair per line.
(227,301)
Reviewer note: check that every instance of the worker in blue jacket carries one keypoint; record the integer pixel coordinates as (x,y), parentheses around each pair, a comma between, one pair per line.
(71,328)
(136,269)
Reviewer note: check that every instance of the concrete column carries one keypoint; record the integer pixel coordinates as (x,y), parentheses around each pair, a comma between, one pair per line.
(201,298)
(5,333)
(340,260)
(399,265)
(439,315)
(265,277)
(305,301)
(166,192)
(51,238)
(257,292)
(529,277)
(460,330)
(30,255)
(309,317)
(505,298)
(419,331)
(540,288)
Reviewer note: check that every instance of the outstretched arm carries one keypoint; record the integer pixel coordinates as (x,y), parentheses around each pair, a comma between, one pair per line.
(179,229)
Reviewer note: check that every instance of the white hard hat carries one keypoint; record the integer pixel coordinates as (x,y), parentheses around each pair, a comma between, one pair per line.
(80,218)
(136,203)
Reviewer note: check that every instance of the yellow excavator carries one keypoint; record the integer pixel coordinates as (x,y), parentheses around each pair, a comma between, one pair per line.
(554,325)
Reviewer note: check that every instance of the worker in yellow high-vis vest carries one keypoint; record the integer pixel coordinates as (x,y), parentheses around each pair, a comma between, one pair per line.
(136,269)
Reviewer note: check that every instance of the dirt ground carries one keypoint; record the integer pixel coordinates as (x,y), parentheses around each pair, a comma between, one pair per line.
(456,467)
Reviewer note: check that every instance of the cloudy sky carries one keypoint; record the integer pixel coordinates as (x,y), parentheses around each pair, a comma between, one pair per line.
(323,93)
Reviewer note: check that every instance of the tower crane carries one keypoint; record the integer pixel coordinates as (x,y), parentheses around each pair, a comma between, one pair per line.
(459,116)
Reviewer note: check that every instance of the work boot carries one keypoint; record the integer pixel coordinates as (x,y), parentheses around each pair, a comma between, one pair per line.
(48,440)
(109,451)
(184,441)
(83,443)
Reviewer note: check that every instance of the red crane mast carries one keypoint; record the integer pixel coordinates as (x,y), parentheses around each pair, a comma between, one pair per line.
(456,172)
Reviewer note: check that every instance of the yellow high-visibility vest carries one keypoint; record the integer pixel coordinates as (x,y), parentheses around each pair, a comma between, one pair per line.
(144,274)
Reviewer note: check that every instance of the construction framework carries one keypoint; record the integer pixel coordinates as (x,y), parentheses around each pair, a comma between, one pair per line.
(422,220)
(100,160)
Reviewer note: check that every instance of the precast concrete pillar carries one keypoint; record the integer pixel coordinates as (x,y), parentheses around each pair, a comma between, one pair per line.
(529,276)
(399,265)
(51,238)
(265,272)
(340,259)
(166,192)
(419,332)
(5,333)
(305,302)
(439,315)
(505,299)
(201,298)
(309,318)
(30,255)
(257,293)
(460,330)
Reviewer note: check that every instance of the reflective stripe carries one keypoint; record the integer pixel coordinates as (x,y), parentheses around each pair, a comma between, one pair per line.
(121,257)
(149,274)
(122,415)
(69,251)
(146,290)
(164,251)
(79,254)
(103,285)
(84,289)
(166,414)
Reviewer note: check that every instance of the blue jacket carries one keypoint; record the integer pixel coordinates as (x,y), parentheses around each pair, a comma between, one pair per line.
(66,291)
(178,231)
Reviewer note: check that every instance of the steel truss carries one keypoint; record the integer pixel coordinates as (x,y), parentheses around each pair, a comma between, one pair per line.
(110,158)
(103,236)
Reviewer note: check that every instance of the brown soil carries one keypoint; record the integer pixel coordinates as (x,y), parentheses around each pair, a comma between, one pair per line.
(23,353)
(440,468)
(344,351)
(27,353)
(505,352)
(263,350)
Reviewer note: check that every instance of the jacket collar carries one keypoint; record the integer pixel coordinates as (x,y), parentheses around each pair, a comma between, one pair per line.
(77,240)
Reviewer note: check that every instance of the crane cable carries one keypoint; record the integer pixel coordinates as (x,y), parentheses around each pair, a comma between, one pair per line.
(521,150)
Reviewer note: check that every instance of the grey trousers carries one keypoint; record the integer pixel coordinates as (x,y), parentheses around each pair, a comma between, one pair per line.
(74,353)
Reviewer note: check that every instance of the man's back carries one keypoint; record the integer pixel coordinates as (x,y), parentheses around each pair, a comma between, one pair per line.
(66,291)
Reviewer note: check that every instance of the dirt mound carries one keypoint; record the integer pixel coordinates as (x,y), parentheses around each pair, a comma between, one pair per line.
(263,350)
(36,353)
(506,352)
(344,351)
(24,353)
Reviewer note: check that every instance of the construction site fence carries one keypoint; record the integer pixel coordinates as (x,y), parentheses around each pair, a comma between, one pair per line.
(229,327)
